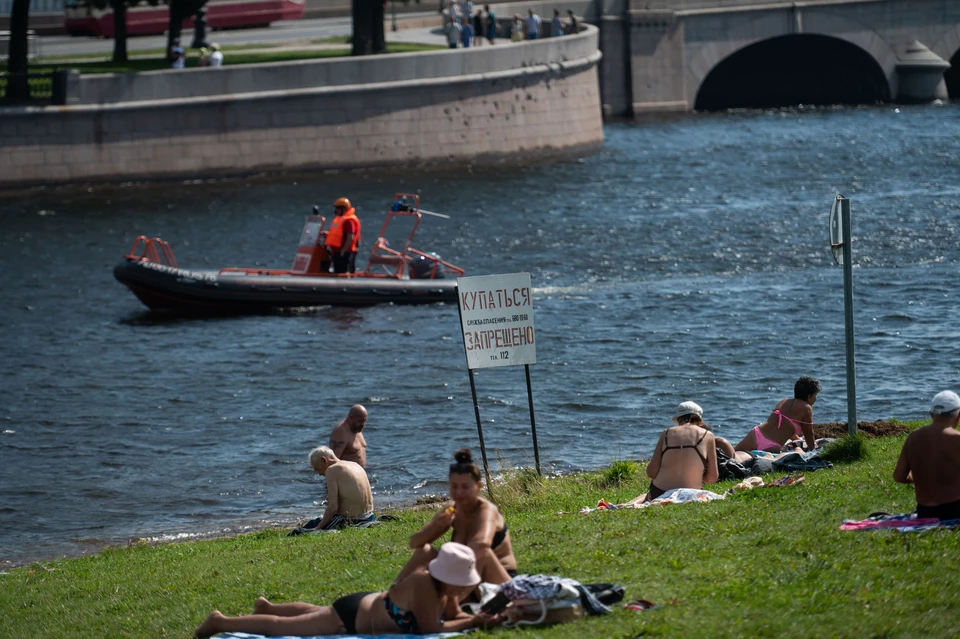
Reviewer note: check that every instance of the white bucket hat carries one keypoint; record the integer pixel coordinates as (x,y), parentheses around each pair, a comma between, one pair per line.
(455,564)
(687,408)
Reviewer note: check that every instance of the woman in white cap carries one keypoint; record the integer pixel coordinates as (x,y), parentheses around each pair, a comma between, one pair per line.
(426,601)
(686,455)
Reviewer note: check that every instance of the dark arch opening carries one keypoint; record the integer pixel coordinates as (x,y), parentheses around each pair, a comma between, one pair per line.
(952,77)
(794,69)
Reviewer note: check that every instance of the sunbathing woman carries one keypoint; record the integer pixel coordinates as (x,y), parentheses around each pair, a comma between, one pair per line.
(791,417)
(685,457)
(474,521)
(426,601)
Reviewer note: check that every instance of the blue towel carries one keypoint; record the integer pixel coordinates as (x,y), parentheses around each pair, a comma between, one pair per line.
(244,635)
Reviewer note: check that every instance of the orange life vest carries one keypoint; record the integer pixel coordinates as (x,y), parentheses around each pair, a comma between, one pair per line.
(335,234)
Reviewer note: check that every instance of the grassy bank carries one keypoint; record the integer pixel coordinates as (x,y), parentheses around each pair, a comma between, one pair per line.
(240,55)
(769,562)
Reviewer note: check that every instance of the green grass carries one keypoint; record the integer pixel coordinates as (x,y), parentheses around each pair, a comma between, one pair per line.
(621,471)
(847,450)
(239,57)
(764,563)
(191,53)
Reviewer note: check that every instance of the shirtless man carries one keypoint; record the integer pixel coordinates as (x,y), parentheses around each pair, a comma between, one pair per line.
(347,440)
(349,499)
(930,460)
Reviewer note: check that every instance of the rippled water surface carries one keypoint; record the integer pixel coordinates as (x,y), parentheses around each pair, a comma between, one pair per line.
(687,260)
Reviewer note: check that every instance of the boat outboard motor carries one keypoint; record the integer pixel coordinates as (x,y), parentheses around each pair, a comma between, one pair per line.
(422,268)
(401,205)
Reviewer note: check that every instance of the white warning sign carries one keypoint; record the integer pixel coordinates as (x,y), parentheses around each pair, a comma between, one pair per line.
(496,313)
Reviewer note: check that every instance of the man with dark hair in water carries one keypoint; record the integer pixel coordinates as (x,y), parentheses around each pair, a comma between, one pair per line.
(347,439)
(930,460)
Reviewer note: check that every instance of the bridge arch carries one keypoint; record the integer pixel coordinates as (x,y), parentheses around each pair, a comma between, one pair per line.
(948,48)
(794,69)
(742,33)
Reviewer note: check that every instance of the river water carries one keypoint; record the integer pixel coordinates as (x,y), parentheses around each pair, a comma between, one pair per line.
(687,260)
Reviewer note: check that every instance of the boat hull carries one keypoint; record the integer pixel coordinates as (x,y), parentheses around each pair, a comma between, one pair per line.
(162,287)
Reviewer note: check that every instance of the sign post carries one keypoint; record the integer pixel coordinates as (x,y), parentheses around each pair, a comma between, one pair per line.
(840,241)
(496,316)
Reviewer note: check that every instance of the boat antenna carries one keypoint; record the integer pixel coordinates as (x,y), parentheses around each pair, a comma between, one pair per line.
(446,217)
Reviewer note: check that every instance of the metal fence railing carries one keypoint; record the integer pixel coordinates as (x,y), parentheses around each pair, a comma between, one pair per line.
(686,5)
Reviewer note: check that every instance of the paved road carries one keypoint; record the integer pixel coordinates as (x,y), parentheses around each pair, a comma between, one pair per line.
(279,32)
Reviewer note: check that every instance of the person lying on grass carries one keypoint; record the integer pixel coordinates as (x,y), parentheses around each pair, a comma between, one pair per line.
(474,521)
(930,460)
(791,417)
(685,457)
(426,601)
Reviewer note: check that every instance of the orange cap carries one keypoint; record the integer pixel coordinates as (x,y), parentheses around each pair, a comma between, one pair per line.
(344,202)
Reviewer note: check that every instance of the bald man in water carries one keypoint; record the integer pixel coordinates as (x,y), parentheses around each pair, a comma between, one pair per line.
(930,460)
(347,439)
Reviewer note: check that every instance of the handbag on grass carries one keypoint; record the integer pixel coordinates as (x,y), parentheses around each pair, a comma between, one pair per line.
(545,599)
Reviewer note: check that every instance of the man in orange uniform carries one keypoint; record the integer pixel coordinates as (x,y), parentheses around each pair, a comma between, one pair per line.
(343,238)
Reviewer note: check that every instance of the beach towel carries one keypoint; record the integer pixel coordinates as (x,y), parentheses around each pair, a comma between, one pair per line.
(686,495)
(338,522)
(905,522)
(672,496)
(244,635)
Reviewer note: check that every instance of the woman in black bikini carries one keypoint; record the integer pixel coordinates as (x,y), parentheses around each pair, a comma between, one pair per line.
(425,601)
(474,521)
(685,457)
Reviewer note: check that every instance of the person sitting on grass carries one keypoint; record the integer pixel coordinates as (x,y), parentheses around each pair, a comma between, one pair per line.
(791,417)
(349,498)
(930,460)
(426,601)
(685,457)
(474,521)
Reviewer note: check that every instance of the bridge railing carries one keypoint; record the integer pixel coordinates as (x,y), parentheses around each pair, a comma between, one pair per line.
(682,5)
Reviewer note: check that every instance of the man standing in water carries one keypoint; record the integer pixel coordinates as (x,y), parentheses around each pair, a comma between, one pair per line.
(930,460)
(349,498)
(347,439)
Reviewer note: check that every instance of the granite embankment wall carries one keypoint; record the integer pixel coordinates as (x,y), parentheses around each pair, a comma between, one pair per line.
(468,105)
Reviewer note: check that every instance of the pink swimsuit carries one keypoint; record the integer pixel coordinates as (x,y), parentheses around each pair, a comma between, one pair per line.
(763,443)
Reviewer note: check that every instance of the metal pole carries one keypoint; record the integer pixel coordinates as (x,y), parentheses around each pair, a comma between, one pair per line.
(533,420)
(483,448)
(848,317)
(476,410)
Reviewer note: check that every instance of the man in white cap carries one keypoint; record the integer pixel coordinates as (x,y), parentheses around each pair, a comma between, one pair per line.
(930,460)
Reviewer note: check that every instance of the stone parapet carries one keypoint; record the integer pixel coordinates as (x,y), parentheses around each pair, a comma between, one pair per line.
(273,76)
(543,105)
